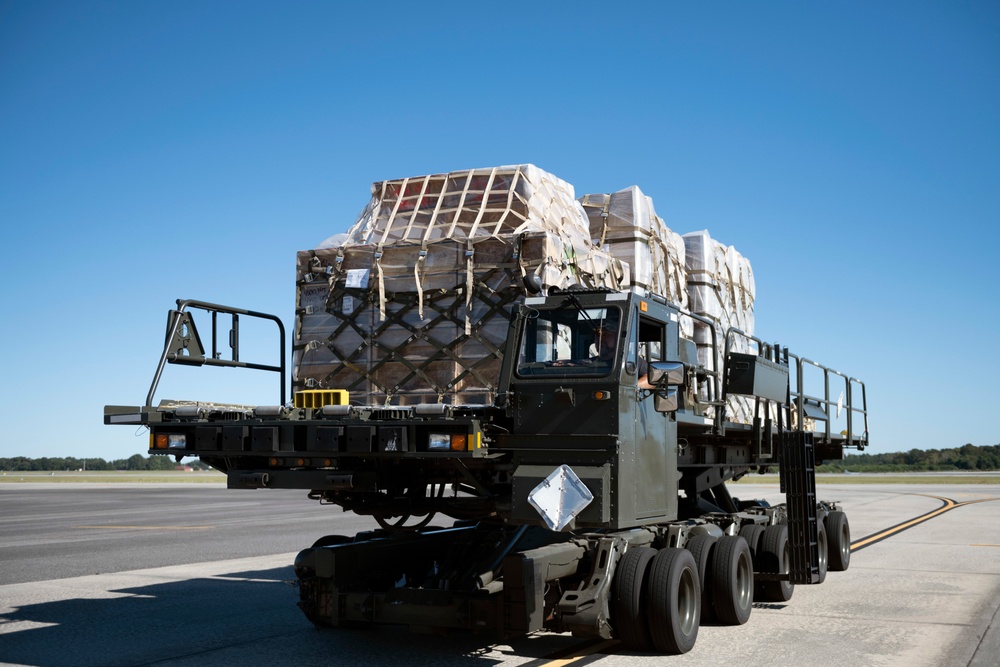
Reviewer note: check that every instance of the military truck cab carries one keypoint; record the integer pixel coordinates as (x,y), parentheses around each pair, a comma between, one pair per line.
(571,388)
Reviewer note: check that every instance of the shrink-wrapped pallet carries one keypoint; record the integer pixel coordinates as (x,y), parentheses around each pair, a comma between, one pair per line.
(412,304)
(626,225)
(720,287)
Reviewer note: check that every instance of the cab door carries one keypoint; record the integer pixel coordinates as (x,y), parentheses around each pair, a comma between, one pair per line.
(655,433)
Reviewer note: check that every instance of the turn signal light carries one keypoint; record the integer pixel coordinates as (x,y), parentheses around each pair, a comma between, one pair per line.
(458,442)
(169,441)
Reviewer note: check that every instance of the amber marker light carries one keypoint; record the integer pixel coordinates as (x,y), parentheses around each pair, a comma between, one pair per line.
(602,395)
(458,442)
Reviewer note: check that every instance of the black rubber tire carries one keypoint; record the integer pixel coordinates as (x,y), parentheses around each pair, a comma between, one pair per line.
(824,551)
(628,612)
(331,540)
(751,533)
(701,547)
(838,535)
(673,593)
(774,556)
(732,580)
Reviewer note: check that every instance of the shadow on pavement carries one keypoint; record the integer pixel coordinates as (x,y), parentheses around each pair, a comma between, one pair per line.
(247,617)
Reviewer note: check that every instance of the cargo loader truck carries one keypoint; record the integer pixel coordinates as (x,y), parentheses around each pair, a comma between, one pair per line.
(586,491)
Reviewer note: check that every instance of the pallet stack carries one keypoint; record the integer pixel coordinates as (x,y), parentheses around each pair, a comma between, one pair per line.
(720,287)
(412,304)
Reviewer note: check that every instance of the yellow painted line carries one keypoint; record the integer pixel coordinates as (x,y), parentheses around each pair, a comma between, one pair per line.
(148,527)
(583,653)
(949,505)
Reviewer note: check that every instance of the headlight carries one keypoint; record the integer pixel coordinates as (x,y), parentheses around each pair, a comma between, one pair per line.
(445,442)
(439,442)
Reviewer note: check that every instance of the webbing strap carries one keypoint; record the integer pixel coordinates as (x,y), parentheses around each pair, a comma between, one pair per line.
(421,259)
(417,267)
(510,202)
(483,203)
(469,282)
(385,235)
(461,205)
(412,210)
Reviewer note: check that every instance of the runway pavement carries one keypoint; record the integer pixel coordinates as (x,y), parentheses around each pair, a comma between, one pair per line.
(189,575)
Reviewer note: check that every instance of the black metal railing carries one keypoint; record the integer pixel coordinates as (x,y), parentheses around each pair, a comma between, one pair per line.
(183,344)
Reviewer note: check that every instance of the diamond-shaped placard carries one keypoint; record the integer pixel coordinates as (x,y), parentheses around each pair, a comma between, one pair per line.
(560,497)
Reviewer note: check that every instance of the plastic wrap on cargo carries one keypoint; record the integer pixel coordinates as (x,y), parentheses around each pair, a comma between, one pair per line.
(719,281)
(626,225)
(720,287)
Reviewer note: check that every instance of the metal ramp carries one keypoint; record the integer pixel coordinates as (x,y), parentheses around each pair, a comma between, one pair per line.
(798,482)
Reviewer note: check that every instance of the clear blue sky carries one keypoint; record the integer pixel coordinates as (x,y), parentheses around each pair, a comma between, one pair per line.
(151,151)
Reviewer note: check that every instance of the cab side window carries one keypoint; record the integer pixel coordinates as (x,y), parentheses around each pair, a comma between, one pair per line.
(652,339)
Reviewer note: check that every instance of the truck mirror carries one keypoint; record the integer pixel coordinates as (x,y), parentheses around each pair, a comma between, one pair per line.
(532,283)
(670,373)
(666,400)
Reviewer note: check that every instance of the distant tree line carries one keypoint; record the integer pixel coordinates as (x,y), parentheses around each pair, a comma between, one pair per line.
(136,462)
(965,458)
(968,457)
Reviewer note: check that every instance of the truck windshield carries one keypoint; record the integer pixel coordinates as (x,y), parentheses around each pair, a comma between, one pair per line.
(570,342)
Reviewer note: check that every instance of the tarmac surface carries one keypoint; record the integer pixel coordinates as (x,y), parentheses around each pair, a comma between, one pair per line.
(182,574)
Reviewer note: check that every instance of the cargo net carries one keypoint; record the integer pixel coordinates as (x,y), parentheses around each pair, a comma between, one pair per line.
(412,304)
(720,287)
(406,358)
(500,202)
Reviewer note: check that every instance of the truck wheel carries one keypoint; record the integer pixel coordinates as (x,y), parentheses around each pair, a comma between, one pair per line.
(700,547)
(823,548)
(673,590)
(732,580)
(838,535)
(331,540)
(751,533)
(774,556)
(628,608)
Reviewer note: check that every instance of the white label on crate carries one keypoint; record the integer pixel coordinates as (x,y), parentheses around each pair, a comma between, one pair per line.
(357,278)
(348,306)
